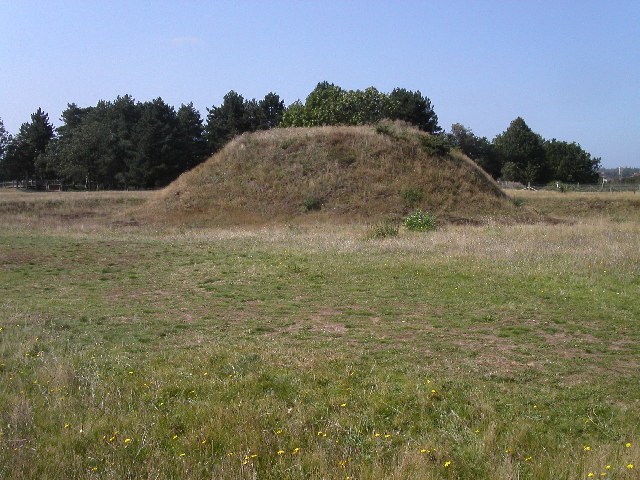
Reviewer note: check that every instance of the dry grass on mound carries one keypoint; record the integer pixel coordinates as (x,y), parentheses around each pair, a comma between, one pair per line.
(328,173)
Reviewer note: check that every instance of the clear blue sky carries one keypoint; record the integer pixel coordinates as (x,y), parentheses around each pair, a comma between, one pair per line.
(571,69)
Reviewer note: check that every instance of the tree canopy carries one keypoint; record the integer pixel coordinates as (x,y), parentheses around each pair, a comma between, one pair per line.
(329,104)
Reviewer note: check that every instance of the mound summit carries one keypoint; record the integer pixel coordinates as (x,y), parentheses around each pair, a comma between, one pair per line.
(337,173)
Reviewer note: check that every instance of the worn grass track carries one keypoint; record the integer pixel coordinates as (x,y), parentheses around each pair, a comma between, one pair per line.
(493,352)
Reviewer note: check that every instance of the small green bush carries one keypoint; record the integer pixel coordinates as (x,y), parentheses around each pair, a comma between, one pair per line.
(420,221)
(384,229)
(435,145)
(311,202)
(412,196)
(385,129)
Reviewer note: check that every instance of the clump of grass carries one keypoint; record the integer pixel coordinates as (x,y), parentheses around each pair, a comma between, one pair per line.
(420,221)
(385,129)
(518,201)
(412,196)
(311,202)
(383,229)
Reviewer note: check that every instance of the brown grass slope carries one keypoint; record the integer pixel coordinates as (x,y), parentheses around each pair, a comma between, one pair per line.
(354,173)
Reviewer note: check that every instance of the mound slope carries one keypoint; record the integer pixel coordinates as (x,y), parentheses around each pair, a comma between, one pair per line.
(341,173)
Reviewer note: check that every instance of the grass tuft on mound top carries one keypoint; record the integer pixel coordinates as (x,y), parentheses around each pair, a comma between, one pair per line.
(339,173)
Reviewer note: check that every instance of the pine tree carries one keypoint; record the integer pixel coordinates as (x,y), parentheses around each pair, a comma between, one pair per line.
(5,140)
(192,143)
(27,146)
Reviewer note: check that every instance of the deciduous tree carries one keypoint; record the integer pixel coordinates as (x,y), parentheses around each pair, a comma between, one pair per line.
(570,163)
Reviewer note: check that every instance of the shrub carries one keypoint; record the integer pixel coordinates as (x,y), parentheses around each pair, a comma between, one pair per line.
(384,129)
(420,221)
(311,202)
(412,196)
(434,145)
(383,229)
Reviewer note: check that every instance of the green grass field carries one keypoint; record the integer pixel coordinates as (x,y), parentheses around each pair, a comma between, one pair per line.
(310,351)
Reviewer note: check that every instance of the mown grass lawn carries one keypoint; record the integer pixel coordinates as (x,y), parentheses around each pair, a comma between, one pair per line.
(494,352)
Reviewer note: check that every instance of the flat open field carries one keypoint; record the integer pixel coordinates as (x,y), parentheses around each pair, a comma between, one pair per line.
(309,351)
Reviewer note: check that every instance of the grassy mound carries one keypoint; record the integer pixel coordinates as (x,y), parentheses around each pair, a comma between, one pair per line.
(340,173)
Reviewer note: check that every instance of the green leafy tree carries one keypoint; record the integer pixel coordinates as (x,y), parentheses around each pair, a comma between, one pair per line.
(523,149)
(362,107)
(478,149)
(296,115)
(325,104)
(570,163)
(329,104)
(411,107)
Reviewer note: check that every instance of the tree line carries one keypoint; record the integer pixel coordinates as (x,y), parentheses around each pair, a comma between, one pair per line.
(127,144)
(124,143)
(521,155)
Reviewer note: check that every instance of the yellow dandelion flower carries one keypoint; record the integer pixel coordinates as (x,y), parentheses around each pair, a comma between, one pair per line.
(590,474)
(587,448)
(130,373)
(433,391)
(528,459)
(387,436)
(203,442)
(608,467)
(447,463)
(627,445)
(280,452)
(174,437)
(603,474)
(630,466)
(343,404)
(127,440)
(182,455)
(66,425)
(424,450)
(94,469)
(278,432)
(508,450)
(230,454)
(377,434)
(295,450)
